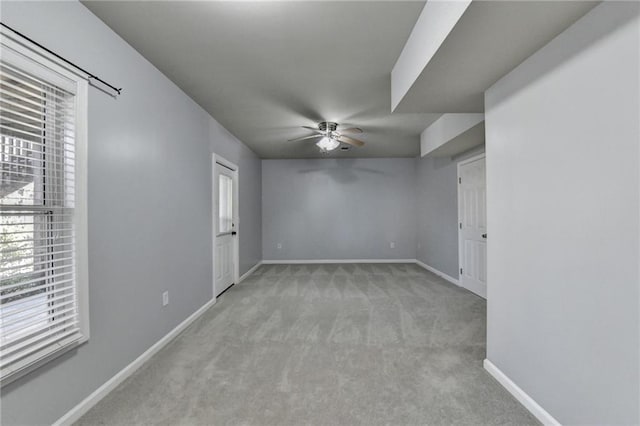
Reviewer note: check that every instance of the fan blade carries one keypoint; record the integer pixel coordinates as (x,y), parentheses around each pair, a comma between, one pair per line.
(313,129)
(304,137)
(350,140)
(350,130)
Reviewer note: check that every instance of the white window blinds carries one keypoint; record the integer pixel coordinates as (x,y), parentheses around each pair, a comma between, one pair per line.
(39,305)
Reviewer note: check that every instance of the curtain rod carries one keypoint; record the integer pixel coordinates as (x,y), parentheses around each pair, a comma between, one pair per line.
(90,75)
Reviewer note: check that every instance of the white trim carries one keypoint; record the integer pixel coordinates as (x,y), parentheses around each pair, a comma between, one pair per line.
(515,390)
(438,273)
(235,170)
(86,404)
(315,261)
(470,160)
(249,272)
(343,261)
(81,206)
(24,55)
(224,162)
(14,41)
(214,205)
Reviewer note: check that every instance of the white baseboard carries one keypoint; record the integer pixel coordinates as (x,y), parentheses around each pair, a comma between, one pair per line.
(438,273)
(316,261)
(324,261)
(528,402)
(85,405)
(249,272)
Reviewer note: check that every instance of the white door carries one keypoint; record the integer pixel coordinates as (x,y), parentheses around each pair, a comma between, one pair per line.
(472,226)
(225,228)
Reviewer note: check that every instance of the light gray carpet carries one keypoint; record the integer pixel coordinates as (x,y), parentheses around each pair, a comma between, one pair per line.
(324,345)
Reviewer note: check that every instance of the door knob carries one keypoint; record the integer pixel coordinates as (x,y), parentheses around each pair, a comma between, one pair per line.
(484,236)
(234,233)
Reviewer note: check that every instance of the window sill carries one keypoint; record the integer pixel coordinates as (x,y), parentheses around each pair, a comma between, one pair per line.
(39,359)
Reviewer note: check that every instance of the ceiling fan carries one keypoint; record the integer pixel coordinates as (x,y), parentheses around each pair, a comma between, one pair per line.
(330,136)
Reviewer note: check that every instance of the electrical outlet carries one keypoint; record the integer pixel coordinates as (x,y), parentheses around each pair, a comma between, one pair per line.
(165,298)
(279,245)
(392,244)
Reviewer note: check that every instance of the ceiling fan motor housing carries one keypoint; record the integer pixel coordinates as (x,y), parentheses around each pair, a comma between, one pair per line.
(325,126)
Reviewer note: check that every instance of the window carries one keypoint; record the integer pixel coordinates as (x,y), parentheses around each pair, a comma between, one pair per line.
(43,273)
(225,204)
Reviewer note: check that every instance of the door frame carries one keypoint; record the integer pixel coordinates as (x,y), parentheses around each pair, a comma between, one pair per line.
(235,171)
(460,250)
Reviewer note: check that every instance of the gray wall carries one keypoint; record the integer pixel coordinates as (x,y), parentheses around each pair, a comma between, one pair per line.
(437,211)
(563,151)
(149,209)
(338,208)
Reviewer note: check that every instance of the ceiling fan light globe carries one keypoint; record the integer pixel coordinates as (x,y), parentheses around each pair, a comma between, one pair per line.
(327,144)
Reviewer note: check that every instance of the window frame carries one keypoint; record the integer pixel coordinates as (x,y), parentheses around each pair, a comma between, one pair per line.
(45,66)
